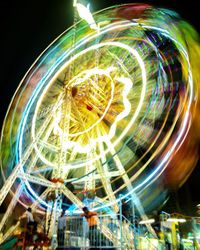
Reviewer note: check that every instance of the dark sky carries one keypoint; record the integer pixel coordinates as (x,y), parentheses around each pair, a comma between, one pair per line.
(27,28)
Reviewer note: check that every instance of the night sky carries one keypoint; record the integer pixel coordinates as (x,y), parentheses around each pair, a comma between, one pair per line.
(27,28)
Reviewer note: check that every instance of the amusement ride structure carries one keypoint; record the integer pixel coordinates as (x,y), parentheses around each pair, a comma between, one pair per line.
(105,114)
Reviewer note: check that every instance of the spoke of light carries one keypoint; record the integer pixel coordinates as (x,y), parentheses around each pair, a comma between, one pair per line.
(104,172)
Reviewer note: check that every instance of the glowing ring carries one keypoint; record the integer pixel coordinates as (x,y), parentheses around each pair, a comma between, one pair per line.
(119,117)
(54,71)
(152,176)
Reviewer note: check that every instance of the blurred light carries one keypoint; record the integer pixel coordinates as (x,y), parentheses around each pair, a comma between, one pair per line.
(187,240)
(176,220)
(84,13)
(74,3)
(192,237)
(150,221)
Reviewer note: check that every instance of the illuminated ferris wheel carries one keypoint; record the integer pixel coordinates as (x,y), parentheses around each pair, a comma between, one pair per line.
(104,108)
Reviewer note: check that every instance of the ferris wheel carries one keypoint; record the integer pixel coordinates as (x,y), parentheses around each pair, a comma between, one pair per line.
(104,108)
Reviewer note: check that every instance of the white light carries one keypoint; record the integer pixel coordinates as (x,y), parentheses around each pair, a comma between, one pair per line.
(85,14)
(74,3)
(187,240)
(176,220)
(192,237)
(150,221)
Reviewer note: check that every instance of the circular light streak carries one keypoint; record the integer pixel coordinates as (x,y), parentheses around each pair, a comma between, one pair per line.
(127,85)
(109,111)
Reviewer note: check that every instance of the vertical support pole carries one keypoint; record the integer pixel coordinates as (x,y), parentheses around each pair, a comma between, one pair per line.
(162,230)
(120,214)
(194,230)
(134,227)
(82,220)
(174,236)
(101,221)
